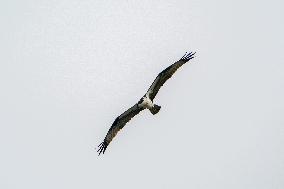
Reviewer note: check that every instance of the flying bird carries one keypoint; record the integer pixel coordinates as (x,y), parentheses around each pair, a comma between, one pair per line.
(146,102)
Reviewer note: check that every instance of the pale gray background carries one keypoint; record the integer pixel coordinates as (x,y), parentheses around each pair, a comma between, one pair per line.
(68,68)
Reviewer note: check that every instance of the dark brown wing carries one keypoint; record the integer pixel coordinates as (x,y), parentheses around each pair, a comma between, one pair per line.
(118,124)
(166,74)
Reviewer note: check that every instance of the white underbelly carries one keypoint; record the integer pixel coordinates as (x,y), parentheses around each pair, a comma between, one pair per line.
(147,103)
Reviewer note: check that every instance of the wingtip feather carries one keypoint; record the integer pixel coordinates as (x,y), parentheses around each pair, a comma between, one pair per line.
(102,147)
(187,56)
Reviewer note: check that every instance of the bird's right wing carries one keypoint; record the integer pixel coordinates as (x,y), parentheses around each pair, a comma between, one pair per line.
(166,74)
(118,124)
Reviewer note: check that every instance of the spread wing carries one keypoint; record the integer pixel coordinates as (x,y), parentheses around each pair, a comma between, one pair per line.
(118,124)
(166,74)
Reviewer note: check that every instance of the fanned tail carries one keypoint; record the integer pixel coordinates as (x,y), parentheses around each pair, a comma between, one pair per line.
(155,109)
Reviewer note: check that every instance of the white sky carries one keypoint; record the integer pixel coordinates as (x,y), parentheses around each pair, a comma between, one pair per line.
(68,68)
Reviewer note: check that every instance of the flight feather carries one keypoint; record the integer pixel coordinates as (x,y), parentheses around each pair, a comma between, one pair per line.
(166,74)
(118,124)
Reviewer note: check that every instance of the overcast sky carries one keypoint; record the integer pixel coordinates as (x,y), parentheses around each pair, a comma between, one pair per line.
(68,68)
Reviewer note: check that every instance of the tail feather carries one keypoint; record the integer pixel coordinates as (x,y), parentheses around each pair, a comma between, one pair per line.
(155,109)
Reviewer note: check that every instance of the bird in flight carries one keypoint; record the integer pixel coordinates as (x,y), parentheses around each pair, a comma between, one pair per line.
(146,102)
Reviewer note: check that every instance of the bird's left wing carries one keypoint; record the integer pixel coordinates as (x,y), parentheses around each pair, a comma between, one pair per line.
(166,74)
(118,124)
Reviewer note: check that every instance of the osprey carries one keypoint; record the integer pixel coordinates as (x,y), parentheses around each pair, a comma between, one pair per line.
(146,102)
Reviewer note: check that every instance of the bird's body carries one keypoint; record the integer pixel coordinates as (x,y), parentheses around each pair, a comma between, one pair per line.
(146,102)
